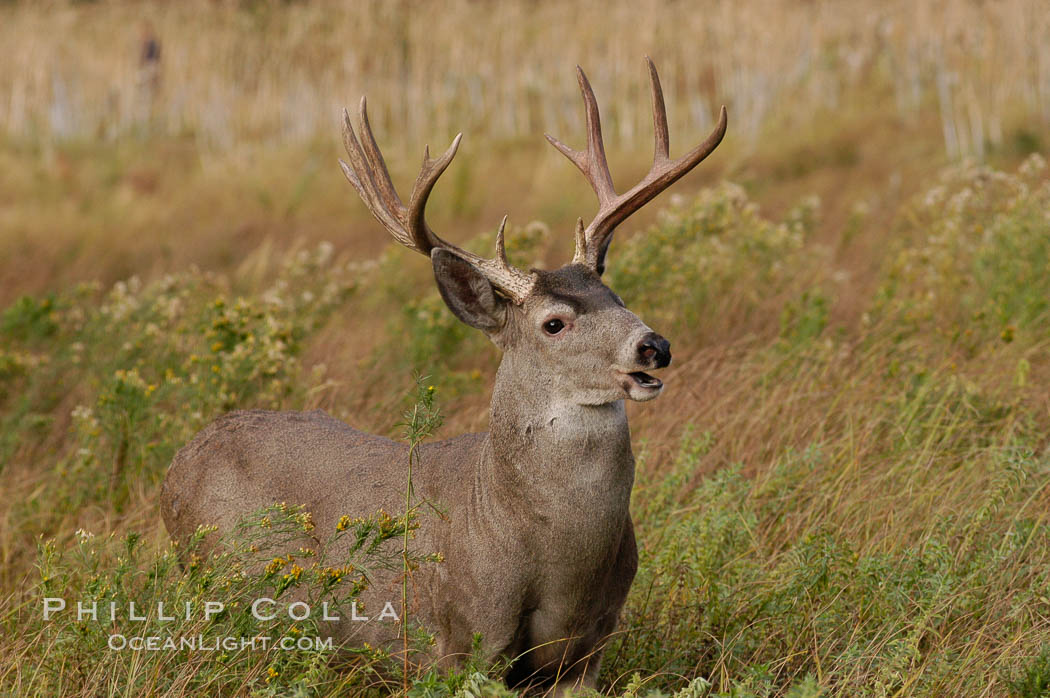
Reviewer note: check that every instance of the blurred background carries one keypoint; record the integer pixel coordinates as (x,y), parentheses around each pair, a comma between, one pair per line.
(843,489)
(141,137)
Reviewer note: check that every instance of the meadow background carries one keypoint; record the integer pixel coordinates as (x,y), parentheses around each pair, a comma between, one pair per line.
(843,490)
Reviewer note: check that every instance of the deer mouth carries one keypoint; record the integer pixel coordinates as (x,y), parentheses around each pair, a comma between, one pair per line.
(640,386)
(645,380)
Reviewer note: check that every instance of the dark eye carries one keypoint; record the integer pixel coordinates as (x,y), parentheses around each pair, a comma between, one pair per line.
(553,326)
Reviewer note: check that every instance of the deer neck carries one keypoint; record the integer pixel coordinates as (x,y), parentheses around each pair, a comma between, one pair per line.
(553,461)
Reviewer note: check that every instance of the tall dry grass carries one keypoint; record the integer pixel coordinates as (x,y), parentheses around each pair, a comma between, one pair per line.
(844,488)
(228,143)
(232,76)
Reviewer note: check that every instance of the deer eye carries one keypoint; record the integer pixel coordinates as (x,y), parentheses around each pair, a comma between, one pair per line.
(553,326)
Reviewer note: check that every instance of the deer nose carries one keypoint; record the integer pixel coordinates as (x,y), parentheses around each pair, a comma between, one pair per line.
(654,349)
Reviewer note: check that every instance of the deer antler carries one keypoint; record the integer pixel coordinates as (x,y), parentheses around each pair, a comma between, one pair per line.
(368,174)
(592,243)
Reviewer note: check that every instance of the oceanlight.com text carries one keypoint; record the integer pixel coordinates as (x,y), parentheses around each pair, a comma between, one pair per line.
(199,643)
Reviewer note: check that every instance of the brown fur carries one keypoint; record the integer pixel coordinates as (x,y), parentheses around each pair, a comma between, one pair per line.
(538,543)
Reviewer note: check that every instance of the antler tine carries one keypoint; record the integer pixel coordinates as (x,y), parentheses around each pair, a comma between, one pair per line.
(429,172)
(360,176)
(501,248)
(377,166)
(592,163)
(661,150)
(580,255)
(612,209)
(368,174)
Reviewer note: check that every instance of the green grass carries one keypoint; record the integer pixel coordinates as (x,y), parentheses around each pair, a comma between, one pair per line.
(844,492)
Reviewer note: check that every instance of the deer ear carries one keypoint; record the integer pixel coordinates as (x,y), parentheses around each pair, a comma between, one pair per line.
(467,293)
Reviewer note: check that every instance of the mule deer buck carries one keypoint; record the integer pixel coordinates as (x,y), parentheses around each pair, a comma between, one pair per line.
(538,543)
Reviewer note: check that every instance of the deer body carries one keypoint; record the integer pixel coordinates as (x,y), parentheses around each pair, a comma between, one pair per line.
(502,555)
(537,539)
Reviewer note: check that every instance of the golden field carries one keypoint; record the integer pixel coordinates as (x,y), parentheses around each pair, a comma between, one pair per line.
(844,489)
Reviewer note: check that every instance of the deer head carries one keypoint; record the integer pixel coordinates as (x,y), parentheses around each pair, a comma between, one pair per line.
(569,333)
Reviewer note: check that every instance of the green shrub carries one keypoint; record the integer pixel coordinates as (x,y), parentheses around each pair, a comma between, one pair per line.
(973,261)
(260,559)
(149,365)
(29,318)
(713,257)
(731,590)
(887,536)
